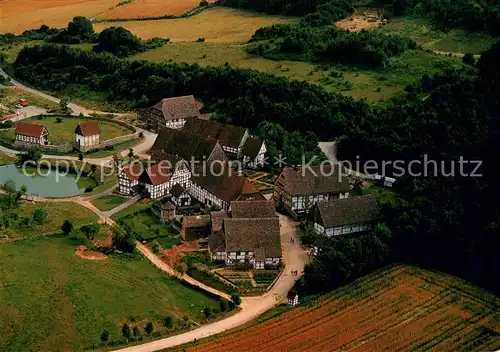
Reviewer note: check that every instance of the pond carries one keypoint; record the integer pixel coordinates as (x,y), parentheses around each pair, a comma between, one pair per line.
(47,184)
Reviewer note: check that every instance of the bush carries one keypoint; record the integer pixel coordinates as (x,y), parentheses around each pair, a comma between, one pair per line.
(468,59)
(200,40)
(59,119)
(119,41)
(236,299)
(203,3)
(7,124)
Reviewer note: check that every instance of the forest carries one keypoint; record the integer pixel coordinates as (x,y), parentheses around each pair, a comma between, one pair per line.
(305,43)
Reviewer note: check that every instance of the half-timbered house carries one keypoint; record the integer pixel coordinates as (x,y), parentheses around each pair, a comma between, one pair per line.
(31,134)
(232,138)
(180,196)
(292,297)
(170,112)
(345,216)
(220,188)
(154,182)
(128,179)
(254,153)
(297,189)
(87,135)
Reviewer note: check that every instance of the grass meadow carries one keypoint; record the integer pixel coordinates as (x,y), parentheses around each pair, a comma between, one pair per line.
(106,203)
(52,300)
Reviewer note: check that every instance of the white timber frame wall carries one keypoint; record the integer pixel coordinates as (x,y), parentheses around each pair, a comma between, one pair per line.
(42,140)
(303,203)
(236,151)
(125,185)
(234,257)
(181,175)
(341,230)
(175,123)
(219,256)
(183,200)
(156,191)
(207,198)
(259,159)
(87,141)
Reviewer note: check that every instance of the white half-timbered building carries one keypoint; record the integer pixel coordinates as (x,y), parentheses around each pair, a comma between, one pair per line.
(31,134)
(232,138)
(345,216)
(87,135)
(297,189)
(219,191)
(254,153)
(171,112)
(292,298)
(154,182)
(180,196)
(128,179)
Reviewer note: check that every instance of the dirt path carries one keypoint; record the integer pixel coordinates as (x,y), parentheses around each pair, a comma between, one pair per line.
(294,257)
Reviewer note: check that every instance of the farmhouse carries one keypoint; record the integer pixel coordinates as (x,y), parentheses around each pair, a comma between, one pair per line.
(180,144)
(196,226)
(297,189)
(253,240)
(87,135)
(128,179)
(170,112)
(31,134)
(221,188)
(254,153)
(154,182)
(344,216)
(232,138)
(249,234)
(180,196)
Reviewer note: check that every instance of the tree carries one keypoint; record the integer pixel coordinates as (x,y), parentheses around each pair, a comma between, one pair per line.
(91,230)
(39,216)
(126,331)
(149,328)
(80,156)
(118,41)
(117,161)
(67,227)
(137,333)
(130,155)
(186,320)
(31,155)
(168,322)
(105,337)
(207,312)
(223,305)
(81,28)
(63,104)
(231,305)
(468,59)
(236,299)
(123,240)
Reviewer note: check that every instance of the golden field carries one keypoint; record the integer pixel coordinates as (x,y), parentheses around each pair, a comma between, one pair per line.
(217,25)
(19,15)
(150,8)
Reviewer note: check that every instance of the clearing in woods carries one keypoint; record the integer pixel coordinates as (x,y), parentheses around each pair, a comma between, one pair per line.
(217,24)
(401,308)
(150,8)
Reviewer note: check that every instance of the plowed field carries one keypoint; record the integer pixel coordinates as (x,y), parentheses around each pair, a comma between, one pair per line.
(150,8)
(399,309)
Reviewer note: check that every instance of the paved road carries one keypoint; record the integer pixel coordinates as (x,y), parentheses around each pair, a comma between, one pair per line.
(295,259)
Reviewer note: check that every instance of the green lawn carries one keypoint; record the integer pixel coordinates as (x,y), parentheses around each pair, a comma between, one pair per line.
(134,208)
(64,132)
(57,212)
(7,158)
(52,300)
(374,85)
(106,203)
(147,226)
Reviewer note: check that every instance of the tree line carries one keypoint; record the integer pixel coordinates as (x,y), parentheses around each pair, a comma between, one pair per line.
(306,43)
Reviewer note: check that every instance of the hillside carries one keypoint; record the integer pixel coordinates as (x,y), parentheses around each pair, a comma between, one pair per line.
(401,308)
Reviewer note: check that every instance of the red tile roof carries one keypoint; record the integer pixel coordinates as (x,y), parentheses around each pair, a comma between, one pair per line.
(155,175)
(30,129)
(88,128)
(133,172)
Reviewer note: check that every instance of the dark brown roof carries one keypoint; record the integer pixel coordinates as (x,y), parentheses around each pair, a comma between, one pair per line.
(182,145)
(253,209)
(228,187)
(302,181)
(217,242)
(218,219)
(154,176)
(196,221)
(177,190)
(178,107)
(251,234)
(30,129)
(352,210)
(88,128)
(133,172)
(227,135)
(252,147)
